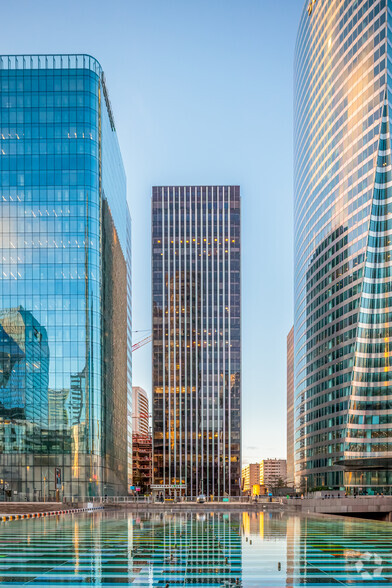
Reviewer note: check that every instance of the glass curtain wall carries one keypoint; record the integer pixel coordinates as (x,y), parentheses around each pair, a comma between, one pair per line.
(63,385)
(343,376)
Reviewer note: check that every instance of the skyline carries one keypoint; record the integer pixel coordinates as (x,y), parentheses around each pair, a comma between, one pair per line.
(196,293)
(187,70)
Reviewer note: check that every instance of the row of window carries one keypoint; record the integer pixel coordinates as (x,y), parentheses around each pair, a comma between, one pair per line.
(332,356)
(369,433)
(369,447)
(330,344)
(335,328)
(51,80)
(48,100)
(85,160)
(49,178)
(319,424)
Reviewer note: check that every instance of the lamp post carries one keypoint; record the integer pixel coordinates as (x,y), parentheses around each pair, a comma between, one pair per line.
(44,489)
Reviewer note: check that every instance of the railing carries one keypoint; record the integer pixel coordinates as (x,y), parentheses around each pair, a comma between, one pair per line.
(50,61)
(21,497)
(332,497)
(185,499)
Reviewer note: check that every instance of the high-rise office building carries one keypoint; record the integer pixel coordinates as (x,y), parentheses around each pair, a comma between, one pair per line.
(290,407)
(343,227)
(65,282)
(140,411)
(196,294)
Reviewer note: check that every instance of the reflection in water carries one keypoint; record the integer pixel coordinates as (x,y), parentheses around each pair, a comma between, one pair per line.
(293,531)
(210,549)
(204,549)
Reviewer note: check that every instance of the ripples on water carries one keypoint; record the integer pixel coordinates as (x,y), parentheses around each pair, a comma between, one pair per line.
(221,549)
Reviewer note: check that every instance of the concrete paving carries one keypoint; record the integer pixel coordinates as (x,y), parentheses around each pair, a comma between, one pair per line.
(7,508)
(369,506)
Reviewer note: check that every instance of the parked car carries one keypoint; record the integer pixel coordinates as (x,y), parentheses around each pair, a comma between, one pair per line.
(202,498)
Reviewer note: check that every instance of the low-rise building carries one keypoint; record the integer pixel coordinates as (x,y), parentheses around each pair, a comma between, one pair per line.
(272,472)
(250,476)
(141,440)
(141,461)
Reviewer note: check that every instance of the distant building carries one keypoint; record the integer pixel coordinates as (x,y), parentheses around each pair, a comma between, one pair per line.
(250,476)
(273,470)
(141,460)
(290,408)
(141,440)
(140,411)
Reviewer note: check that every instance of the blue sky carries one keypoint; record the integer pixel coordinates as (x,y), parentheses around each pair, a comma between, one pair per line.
(202,93)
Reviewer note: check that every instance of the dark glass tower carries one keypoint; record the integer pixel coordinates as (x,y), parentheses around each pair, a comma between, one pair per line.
(65,318)
(196,290)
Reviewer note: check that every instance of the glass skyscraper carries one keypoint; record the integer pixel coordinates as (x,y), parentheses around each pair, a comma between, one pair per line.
(196,293)
(65,321)
(343,233)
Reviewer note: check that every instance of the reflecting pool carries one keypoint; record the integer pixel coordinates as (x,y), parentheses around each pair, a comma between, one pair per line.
(207,549)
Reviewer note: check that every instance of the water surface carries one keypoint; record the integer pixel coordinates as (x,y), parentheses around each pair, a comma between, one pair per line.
(217,549)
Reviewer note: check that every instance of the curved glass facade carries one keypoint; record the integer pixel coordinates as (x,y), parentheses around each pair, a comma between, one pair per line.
(343,378)
(64,322)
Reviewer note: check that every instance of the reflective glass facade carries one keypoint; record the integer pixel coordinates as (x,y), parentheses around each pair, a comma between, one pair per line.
(290,408)
(343,229)
(65,322)
(196,291)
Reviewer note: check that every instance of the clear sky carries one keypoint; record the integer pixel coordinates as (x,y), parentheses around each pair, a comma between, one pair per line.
(202,93)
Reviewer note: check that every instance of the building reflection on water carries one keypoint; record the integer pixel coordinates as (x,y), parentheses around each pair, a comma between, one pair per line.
(266,526)
(210,549)
(270,536)
(202,549)
(293,534)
